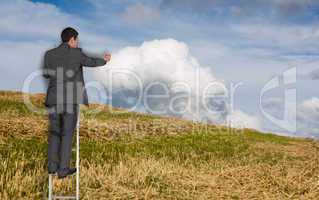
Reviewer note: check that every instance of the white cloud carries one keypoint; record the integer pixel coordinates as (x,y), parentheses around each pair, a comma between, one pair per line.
(42,21)
(279,35)
(308,111)
(18,60)
(307,116)
(28,29)
(238,52)
(239,119)
(169,62)
(25,18)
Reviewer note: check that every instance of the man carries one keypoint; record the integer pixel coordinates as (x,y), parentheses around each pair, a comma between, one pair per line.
(63,68)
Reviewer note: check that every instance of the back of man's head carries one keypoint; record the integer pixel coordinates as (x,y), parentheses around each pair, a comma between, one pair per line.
(68,33)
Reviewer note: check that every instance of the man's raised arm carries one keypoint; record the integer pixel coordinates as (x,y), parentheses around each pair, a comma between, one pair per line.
(94,62)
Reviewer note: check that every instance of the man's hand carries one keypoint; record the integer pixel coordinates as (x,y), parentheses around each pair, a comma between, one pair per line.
(107,57)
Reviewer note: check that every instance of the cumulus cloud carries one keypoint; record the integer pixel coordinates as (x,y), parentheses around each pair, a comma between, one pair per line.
(166,68)
(239,119)
(307,115)
(310,109)
(244,50)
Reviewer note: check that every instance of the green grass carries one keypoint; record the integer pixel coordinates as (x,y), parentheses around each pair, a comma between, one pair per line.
(200,163)
(186,149)
(255,136)
(13,106)
(196,150)
(105,115)
(21,157)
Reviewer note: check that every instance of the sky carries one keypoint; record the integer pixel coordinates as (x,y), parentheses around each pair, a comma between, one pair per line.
(244,42)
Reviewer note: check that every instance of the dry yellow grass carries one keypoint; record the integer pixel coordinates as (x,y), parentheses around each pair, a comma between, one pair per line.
(138,156)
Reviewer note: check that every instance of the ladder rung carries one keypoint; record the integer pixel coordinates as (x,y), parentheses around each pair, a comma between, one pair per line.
(77,176)
(56,174)
(64,197)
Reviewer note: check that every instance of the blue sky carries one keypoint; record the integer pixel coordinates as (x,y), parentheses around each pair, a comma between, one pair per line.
(239,40)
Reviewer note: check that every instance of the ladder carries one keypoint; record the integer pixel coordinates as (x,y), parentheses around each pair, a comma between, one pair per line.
(51,196)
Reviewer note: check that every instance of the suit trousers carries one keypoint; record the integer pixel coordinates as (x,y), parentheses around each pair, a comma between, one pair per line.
(62,123)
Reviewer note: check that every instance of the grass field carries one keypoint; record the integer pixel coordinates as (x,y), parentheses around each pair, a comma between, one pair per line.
(127,155)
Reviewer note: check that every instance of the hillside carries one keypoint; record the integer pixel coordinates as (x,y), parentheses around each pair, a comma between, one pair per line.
(129,155)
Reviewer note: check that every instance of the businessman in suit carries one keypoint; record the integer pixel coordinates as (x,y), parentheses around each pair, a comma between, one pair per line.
(63,69)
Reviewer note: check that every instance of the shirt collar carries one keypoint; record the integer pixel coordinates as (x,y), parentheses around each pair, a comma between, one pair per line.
(65,45)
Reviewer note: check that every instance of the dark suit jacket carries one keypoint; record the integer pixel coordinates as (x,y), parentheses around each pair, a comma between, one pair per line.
(63,67)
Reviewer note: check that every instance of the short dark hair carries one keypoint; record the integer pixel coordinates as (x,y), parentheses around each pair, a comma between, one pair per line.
(68,33)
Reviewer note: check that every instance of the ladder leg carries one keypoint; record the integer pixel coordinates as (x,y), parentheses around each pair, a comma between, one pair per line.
(78,156)
(50,187)
(77,179)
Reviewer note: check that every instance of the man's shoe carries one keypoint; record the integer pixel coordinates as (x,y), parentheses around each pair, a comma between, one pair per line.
(62,173)
(53,167)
